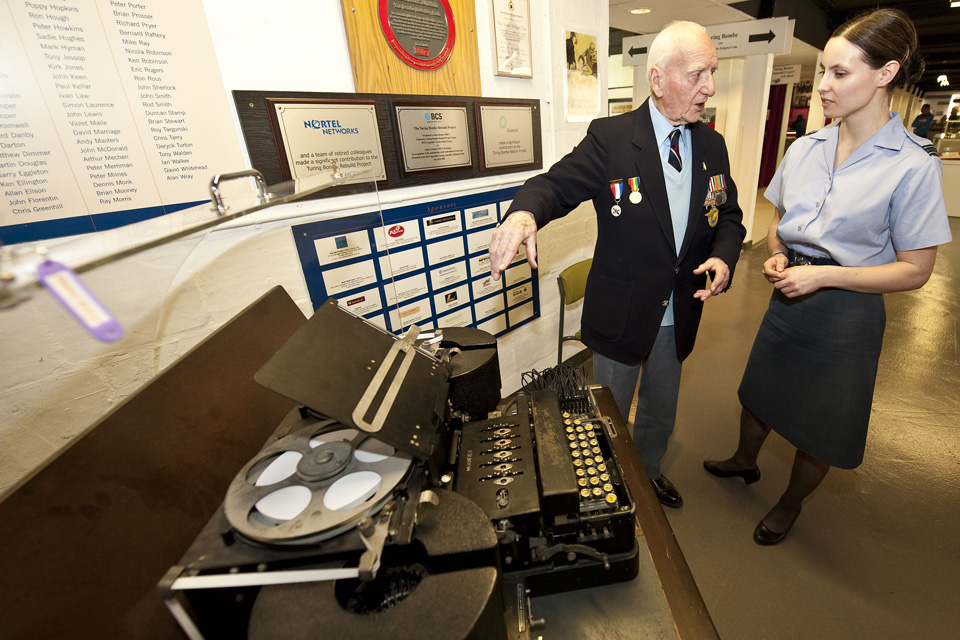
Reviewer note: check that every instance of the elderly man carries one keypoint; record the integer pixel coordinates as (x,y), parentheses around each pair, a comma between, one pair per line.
(667,215)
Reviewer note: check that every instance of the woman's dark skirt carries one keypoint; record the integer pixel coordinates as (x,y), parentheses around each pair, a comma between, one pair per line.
(812,370)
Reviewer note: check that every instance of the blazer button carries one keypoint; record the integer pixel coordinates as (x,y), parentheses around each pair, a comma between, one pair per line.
(676,271)
(665,303)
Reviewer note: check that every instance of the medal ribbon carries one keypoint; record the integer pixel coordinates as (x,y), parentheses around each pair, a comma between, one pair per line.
(634,184)
(718,183)
(616,188)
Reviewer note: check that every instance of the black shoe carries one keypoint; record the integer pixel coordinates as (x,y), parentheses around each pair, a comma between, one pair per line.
(666,492)
(766,537)
(749,475)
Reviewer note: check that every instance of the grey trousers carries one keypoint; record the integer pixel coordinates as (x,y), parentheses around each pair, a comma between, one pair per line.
(656,398)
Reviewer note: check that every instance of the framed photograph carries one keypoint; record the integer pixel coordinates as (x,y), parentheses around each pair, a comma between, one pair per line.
(619,105)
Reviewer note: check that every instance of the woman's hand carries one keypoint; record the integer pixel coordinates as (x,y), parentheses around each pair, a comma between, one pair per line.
(774,266)
(799,281)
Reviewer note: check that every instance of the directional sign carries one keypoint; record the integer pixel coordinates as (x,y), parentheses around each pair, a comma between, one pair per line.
(755,37)
(785,74)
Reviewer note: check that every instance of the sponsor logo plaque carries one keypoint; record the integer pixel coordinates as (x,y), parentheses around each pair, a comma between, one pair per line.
(433,137)
(315,136)
(506,135)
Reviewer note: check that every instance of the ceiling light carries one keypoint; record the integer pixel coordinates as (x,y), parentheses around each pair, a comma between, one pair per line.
(643,10)
(954,4)
(943,81)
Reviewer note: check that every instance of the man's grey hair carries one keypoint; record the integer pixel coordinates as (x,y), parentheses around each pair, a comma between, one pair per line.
(671,41)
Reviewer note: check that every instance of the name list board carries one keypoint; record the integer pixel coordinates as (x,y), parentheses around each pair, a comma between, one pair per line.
(108,108)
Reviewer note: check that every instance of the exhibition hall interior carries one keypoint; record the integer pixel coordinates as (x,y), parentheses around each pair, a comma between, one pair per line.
(290,350)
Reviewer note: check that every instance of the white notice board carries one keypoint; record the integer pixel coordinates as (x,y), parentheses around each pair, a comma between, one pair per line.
(111,112)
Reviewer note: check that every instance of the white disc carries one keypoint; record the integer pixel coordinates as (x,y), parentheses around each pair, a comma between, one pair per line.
(372,450)
(281,468)
(339,435)
(352,490)
(284,504)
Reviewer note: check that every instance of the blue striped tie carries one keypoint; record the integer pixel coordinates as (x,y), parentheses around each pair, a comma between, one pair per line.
(674,159)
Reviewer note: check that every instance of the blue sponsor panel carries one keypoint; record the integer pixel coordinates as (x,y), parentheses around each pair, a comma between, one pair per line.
(420,264)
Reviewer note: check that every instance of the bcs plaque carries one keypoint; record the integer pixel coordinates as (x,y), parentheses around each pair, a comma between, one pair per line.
(420,32)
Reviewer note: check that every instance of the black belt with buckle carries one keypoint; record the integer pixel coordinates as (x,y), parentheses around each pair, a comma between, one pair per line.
(798,259)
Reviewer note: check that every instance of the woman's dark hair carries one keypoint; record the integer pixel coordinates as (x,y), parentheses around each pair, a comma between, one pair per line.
(884,35)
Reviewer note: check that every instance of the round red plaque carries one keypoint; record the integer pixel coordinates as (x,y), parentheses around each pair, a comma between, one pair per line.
(421,32)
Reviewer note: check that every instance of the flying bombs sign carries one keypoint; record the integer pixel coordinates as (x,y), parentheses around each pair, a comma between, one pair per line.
(420,32)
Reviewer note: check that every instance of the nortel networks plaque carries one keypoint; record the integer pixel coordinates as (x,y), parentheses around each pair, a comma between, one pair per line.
(317,137)
(433,137)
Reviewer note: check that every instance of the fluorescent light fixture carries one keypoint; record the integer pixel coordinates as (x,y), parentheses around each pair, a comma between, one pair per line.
(643,10)
(954,4)
(942,80)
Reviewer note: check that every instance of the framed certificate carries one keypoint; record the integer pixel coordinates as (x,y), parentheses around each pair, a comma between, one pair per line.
(511,30)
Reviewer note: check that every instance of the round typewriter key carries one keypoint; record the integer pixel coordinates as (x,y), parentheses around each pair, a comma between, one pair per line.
(565,414)
(581,472)
(569,429)
(605,477)
(582,482)
(585,493)
(594,442)
(601,466)
(579,429)
(578,463)
(596,450)
(574,445)
(592,471)
(607,487)
(592,433)
(580,436)
(611,498)
(577,421)
(594,481)
(597,491)
(575,453)
(571,437)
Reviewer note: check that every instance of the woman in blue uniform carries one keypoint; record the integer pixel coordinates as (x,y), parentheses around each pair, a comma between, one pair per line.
(860,213)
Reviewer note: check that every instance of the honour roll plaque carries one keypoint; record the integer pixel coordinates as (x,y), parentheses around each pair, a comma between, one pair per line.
(421,32)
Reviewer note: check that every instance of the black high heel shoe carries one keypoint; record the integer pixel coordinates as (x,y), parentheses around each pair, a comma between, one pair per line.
(749,476)
(764,536)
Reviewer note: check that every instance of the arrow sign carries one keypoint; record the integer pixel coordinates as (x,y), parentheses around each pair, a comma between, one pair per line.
(734,40)
(768,36)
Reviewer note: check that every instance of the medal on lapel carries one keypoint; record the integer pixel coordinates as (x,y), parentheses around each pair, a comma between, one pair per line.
(616,188)
(716,196)
(635,196)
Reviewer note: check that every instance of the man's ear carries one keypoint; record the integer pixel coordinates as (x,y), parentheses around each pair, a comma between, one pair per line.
(654,77)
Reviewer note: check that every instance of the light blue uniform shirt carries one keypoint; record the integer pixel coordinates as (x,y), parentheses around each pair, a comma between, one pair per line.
(887,196)
(678,184)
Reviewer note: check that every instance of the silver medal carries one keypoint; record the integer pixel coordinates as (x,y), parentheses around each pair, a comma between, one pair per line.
(615,210)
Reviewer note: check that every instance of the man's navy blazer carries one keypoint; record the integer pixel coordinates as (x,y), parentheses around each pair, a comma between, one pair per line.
(636,265)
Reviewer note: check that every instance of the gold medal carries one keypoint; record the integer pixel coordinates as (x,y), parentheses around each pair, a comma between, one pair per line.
(712,216)
(635,197)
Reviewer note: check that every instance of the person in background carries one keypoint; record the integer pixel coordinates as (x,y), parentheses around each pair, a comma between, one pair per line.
(667,214)
(859,212)
(799,125)
(921,124)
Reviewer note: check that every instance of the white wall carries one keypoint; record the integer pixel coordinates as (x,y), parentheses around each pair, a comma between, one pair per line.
(57,381)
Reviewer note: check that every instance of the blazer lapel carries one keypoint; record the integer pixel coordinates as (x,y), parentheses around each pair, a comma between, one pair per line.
(650,170)
(700,178)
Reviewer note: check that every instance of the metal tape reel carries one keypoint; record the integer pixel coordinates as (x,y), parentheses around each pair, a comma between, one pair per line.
(313,484)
